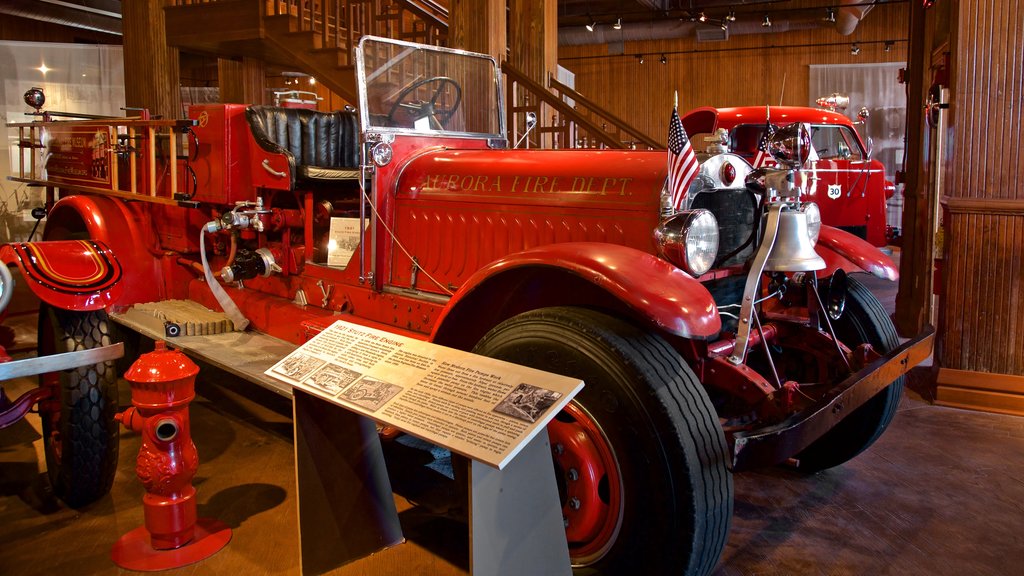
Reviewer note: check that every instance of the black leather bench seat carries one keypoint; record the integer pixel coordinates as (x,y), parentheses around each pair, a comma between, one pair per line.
(320,146)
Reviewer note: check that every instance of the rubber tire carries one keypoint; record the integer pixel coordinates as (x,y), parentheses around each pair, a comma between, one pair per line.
(863,321)
(81,469)
(677,492)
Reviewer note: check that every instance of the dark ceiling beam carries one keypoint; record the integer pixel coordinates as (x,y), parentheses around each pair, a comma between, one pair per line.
(96,15)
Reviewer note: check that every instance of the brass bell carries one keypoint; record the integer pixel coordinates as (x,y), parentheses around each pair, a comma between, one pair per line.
(793,250)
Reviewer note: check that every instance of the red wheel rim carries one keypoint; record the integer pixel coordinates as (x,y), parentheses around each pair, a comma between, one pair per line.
(590,481)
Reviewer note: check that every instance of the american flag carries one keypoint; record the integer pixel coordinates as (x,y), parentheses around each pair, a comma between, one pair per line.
(764,157)
(682,162)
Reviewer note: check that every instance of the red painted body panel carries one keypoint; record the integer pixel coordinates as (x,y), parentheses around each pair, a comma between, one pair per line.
(457,211)
(228,163)
(670,299)
(73,274)
(861,203)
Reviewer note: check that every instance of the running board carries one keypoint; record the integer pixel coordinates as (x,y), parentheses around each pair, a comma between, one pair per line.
(244,354)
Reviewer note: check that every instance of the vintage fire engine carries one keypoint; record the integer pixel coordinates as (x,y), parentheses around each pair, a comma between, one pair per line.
(847,184)
(723,337)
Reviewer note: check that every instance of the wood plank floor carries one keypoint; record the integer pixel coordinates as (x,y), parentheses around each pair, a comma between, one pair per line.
(941,493)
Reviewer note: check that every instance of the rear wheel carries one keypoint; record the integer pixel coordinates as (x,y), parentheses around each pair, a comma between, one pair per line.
(79,431)
(863,321)
(639,454)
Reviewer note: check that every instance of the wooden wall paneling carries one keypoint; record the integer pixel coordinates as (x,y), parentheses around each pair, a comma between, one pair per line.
(984,286)
(983,347)
(242,81)
(229,80)
(254,81)
(533,51)
(478,26)
(746,69)
(984,273)
(150,65)
(533,38)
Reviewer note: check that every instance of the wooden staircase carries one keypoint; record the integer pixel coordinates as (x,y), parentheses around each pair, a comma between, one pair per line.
(319,38)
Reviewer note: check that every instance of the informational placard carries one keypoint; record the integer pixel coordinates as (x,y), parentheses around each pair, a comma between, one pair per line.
(479,407)
(79,155)
(344,237)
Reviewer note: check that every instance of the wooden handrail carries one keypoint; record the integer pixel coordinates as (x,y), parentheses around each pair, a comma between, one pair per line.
(556,102)
(427,10)
(596,110)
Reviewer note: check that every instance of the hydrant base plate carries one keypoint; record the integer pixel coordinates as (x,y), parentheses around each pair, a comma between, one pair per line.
(134,552)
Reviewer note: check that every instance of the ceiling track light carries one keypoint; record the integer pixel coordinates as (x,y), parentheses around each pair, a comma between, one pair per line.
(830,15)
(663,59)
(767,22)
(591,26)
(854,49)
(732,16)
(618,24)
(703,17)
(888,45)
(640,58)
(725,25)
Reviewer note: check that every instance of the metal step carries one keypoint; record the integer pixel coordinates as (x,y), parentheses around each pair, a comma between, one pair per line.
(245,354)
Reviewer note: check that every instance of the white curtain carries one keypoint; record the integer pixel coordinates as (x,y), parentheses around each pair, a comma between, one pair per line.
(875,87)
(84,78)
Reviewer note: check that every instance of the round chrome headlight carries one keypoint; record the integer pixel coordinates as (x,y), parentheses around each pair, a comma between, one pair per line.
(810,209)
(689,240)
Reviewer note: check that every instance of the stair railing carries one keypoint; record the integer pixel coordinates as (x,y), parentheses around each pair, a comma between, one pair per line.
(597,115)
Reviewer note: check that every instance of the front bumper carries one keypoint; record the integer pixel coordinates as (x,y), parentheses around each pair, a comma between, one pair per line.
(774,444)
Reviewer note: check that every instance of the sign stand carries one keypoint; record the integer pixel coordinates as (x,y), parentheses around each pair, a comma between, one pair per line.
(515,516)
(495,413)
(347,511)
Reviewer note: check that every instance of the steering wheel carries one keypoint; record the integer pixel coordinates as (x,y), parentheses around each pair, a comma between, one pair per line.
(418,109)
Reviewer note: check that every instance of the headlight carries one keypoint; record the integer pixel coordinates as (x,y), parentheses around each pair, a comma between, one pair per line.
(810,209)
(689,240)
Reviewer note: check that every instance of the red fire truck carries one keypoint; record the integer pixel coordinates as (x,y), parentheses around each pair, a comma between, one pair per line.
(848,185)
(729,335)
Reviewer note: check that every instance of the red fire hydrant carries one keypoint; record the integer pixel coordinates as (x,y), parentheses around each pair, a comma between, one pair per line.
(163,385)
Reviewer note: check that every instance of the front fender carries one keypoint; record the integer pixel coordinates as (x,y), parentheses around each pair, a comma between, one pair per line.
(125,228)
(581,274)
(840,249)
(77,275)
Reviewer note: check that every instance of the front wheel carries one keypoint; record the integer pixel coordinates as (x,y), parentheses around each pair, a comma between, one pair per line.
(864,320)
(80,434)
(639,455)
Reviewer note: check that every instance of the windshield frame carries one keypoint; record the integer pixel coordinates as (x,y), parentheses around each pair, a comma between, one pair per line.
(364,109)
